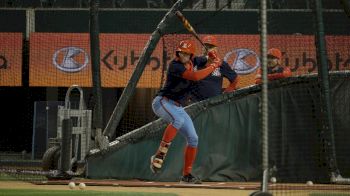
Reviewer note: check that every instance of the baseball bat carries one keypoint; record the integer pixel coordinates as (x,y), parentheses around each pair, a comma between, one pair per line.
(189,27)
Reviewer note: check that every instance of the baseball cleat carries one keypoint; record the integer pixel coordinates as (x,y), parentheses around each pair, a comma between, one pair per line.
(156,164)
(190,179)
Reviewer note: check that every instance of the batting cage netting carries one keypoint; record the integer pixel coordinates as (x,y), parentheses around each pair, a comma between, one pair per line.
(50,92)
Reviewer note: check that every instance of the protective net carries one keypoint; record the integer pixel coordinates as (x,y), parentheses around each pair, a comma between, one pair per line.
(301,158)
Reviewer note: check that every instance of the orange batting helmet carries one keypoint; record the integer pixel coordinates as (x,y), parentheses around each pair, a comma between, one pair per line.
(275,53)
(186,46)
(209,39)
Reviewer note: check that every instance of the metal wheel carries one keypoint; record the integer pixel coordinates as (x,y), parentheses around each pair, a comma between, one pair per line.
(51,158)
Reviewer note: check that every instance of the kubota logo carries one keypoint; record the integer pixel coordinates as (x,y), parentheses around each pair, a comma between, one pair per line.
(70,59)
(243,61)
(3,62)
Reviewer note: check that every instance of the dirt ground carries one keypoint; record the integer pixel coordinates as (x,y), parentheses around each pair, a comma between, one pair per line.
(319,190)
(178,191)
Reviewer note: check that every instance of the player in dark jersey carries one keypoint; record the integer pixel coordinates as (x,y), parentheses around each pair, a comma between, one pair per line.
(166,105)
(274,68)
(211,85)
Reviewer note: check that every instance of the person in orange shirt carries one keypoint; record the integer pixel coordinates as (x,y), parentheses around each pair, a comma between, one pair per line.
(211,86)
(274,68)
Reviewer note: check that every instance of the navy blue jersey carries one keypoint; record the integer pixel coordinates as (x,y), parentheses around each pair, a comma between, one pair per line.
(212,84)
(175,87)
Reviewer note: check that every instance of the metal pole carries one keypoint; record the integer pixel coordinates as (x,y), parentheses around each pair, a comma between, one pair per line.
(264,93)
(66,147)
(146,53)
(96,74)
(327,130)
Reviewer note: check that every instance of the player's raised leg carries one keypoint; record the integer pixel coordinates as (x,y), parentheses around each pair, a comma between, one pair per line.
(167,110)
(158,159)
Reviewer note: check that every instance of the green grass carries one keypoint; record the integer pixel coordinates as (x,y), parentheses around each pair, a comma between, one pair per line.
(329,194)
(26,177)
(33,192)
(6,177)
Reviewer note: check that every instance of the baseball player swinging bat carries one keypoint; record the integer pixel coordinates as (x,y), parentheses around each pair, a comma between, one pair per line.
(188,26)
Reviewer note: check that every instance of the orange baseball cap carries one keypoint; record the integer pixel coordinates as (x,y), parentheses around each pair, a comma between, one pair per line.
(275,53)
(186,46)
(210,39)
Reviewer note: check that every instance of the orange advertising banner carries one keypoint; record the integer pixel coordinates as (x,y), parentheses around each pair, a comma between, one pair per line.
(299,53)
(63,59)
(58,59)
(11,59)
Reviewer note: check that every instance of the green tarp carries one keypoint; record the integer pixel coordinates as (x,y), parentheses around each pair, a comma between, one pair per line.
(229,137)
